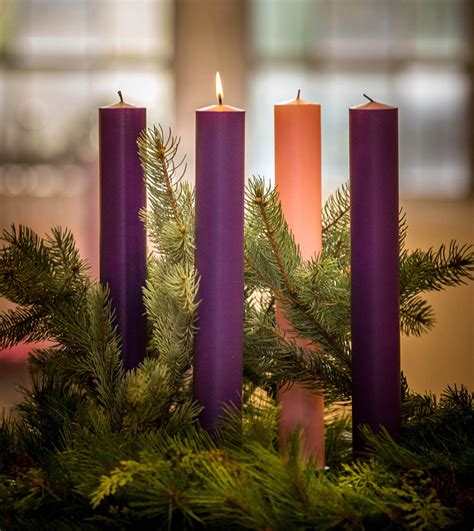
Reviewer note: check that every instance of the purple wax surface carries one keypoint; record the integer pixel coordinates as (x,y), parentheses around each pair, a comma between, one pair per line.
(122,234)
(375,269)
(218,358)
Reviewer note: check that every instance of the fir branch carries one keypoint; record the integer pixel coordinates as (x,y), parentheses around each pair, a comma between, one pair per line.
(437,435)
(402,233)
(336,208)
(35,271)
(274,358)
(22,324)
(104,359)
(44,277)
(416,315)
(50,405)
(89,354)
(337,436)
(58,303)
(157,154)
(149,396)
(307,323)
(265,216)
(436,269)
(335,225)
(304,320)
(430,270)
(170,215)
(271,230)
(171,303)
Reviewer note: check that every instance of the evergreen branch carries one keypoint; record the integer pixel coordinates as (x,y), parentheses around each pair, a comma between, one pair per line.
(61,247)
(171,303)
(255,277)
(268,239)
(34,271)
(402,232)
(170,215)
(157,155)
(335,226)
(336,208)
(22,324)
(416,316)
(272,357)
(436,269)
(427,271)
(188,482)
(437,435)
(290,302)
(338,436)
(24,266)
(149,395)
(105,357)
(90,353)
(50,405)
(265,210)
(270,232)
(58,302)
(316,331)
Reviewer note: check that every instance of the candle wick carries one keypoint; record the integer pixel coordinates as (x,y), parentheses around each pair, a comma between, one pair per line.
(120,96)
(368,97)
(298,94)
(219,98)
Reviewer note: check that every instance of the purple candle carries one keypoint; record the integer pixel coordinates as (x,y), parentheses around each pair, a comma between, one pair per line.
(122,235)
(374,268)
(218,356)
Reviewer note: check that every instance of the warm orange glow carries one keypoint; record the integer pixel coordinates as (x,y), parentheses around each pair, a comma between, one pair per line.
(219,89)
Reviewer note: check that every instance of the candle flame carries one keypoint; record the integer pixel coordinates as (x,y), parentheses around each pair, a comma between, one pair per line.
(219,89)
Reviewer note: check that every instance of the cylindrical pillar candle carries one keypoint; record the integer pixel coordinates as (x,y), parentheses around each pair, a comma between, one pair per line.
(122,235)
(218,361)
(298,180)
(374,268)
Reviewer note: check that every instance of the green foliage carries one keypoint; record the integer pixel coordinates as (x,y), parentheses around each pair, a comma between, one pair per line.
(163,383)
(249,486)
(45,277)
(437,435)
(336,225)
(169,218)
(431,270)
(313,294)
(93,446)
(338,435)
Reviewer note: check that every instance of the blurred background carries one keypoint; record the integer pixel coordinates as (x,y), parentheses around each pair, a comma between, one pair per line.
(60,60)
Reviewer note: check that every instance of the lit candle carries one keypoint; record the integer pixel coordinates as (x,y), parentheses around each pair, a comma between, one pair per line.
(375,268)
(122,235)
(298,180)
(218,361)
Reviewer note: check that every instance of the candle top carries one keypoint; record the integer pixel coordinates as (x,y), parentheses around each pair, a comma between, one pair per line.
(297,101)
(372,105)
(121,104)
(220,108)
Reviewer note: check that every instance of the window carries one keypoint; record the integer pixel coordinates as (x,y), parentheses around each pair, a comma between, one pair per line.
(59,61)
(415,54)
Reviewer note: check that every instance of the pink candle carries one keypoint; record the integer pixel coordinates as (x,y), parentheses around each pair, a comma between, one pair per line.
(298,179)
